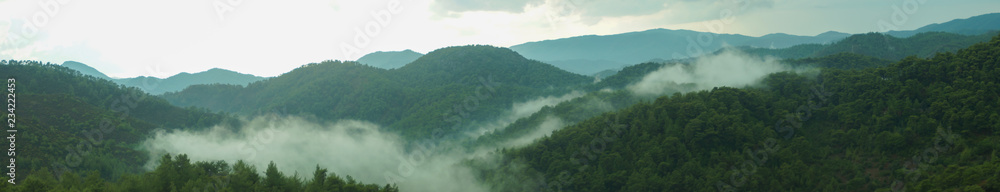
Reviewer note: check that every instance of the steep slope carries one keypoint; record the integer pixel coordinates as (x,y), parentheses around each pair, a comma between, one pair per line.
(919,124)
(389,59)
(477,82)
(73,122)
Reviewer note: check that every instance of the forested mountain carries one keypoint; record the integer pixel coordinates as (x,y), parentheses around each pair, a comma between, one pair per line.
(60,111)
(411,99)
(870,112)
(389,59)
(879,45)
(172,83)
(611,94)
(970,26)
(82,133)
(85,69)
(919,124)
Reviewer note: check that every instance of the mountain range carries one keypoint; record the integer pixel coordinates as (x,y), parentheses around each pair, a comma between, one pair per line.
(842,127)
(389,59)
(879,45)
(174,83)
(591,54)
(409,99)
(863,112)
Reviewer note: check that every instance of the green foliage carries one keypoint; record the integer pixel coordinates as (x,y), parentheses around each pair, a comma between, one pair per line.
(927,124)
(73,122)
(475,82)
(180,174)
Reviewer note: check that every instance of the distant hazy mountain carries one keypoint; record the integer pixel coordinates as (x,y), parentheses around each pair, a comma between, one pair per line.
(971,26)
(880,46)
(389,59)
(591,54)
(156,86)
(183,80)
(85,69)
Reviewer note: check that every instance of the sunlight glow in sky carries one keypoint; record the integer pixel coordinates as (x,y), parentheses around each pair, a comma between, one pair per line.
(127,38)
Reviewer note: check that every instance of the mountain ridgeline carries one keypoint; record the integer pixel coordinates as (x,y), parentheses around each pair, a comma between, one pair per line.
(865,112)
(594,53)
(156,86)
(880,45)
(389,59)
(483,80)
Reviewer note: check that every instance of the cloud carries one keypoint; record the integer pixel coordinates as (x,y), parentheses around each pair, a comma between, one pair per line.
(546,128)
(296,146)
(525,109)
(592,11)
(730,68)
(513,6)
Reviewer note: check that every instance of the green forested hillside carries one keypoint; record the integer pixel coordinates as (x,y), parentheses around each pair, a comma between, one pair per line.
(474,82)
(917,124)
(72,122)
(82,133)
(180,174)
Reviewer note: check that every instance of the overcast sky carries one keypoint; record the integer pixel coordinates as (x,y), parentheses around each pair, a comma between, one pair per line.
(127,38)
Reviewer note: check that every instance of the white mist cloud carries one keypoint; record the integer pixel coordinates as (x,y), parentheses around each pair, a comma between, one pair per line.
(729,68)
(550,124)
(525,109)
(350,147)
(347,147)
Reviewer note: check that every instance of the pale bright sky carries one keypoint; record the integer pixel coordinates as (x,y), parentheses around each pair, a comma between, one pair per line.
(128,38)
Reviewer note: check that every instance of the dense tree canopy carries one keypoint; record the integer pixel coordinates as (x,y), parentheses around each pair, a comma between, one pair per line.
(72,122)
(919,124)
(180,174)
(477,82)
